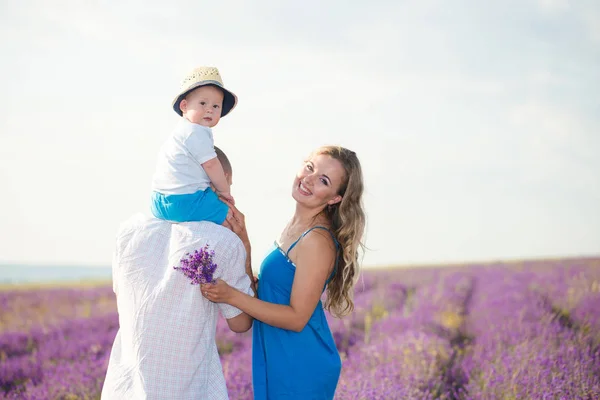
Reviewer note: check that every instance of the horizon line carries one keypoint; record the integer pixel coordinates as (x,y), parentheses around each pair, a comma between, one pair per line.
(507,260)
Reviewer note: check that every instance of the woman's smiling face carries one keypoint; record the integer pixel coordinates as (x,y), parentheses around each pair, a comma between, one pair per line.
(318,182)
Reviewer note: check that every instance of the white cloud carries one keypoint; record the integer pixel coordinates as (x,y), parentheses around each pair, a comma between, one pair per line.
(558,145)
(463,122)
(591,20)
(554,6)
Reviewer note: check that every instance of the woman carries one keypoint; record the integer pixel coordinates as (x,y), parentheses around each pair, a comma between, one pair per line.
(294,354)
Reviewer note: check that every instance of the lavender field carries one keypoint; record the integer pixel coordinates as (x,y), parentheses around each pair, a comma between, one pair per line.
(528,330)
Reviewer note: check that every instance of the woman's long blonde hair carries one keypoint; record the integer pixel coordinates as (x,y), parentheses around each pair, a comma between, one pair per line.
(348,224)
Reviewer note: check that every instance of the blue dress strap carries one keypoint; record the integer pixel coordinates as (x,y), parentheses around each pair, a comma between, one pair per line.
(337,245)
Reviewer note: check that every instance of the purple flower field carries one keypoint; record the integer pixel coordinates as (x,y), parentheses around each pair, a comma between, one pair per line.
(528,330)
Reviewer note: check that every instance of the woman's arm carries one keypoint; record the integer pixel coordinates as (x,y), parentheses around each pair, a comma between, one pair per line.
(314,259)
(241,323)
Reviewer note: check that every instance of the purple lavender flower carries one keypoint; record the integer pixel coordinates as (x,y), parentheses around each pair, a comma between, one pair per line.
(199,266)
(517,331)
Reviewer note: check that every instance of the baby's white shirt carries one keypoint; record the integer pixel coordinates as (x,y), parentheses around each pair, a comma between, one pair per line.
(179,166)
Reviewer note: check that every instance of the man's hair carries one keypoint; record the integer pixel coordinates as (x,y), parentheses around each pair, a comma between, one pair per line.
(223,160)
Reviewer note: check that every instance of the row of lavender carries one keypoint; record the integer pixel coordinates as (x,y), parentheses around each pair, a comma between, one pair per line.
(526,331)
(518,331)
(54,343)
(527,344)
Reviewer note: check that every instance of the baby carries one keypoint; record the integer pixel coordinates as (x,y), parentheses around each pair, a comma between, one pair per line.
(188,168)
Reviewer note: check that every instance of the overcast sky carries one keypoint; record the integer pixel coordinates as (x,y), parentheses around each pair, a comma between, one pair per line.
(477,123)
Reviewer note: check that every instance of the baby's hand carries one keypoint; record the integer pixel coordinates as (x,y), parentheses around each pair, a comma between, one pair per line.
(227,196)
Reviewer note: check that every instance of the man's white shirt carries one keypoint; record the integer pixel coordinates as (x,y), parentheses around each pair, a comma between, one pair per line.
(165,347)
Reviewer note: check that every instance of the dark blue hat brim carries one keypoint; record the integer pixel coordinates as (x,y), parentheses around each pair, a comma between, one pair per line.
(229,99)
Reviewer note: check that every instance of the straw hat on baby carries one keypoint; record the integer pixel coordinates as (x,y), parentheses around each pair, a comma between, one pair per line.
(204,76)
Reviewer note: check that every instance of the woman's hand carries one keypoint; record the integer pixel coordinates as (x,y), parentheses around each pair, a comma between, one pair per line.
(217,292)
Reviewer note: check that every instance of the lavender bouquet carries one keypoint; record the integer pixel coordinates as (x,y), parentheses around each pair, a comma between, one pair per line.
(199,266)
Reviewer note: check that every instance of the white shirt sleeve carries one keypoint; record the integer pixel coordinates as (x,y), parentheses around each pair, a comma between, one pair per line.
(116,260)
(115,265)
(123,238)
(234,273)
(200,144)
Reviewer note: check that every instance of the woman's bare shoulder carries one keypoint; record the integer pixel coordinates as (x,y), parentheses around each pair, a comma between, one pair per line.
(318,240)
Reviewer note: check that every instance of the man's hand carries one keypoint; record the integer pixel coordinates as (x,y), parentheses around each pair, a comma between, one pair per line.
(236,221)
(227,197)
